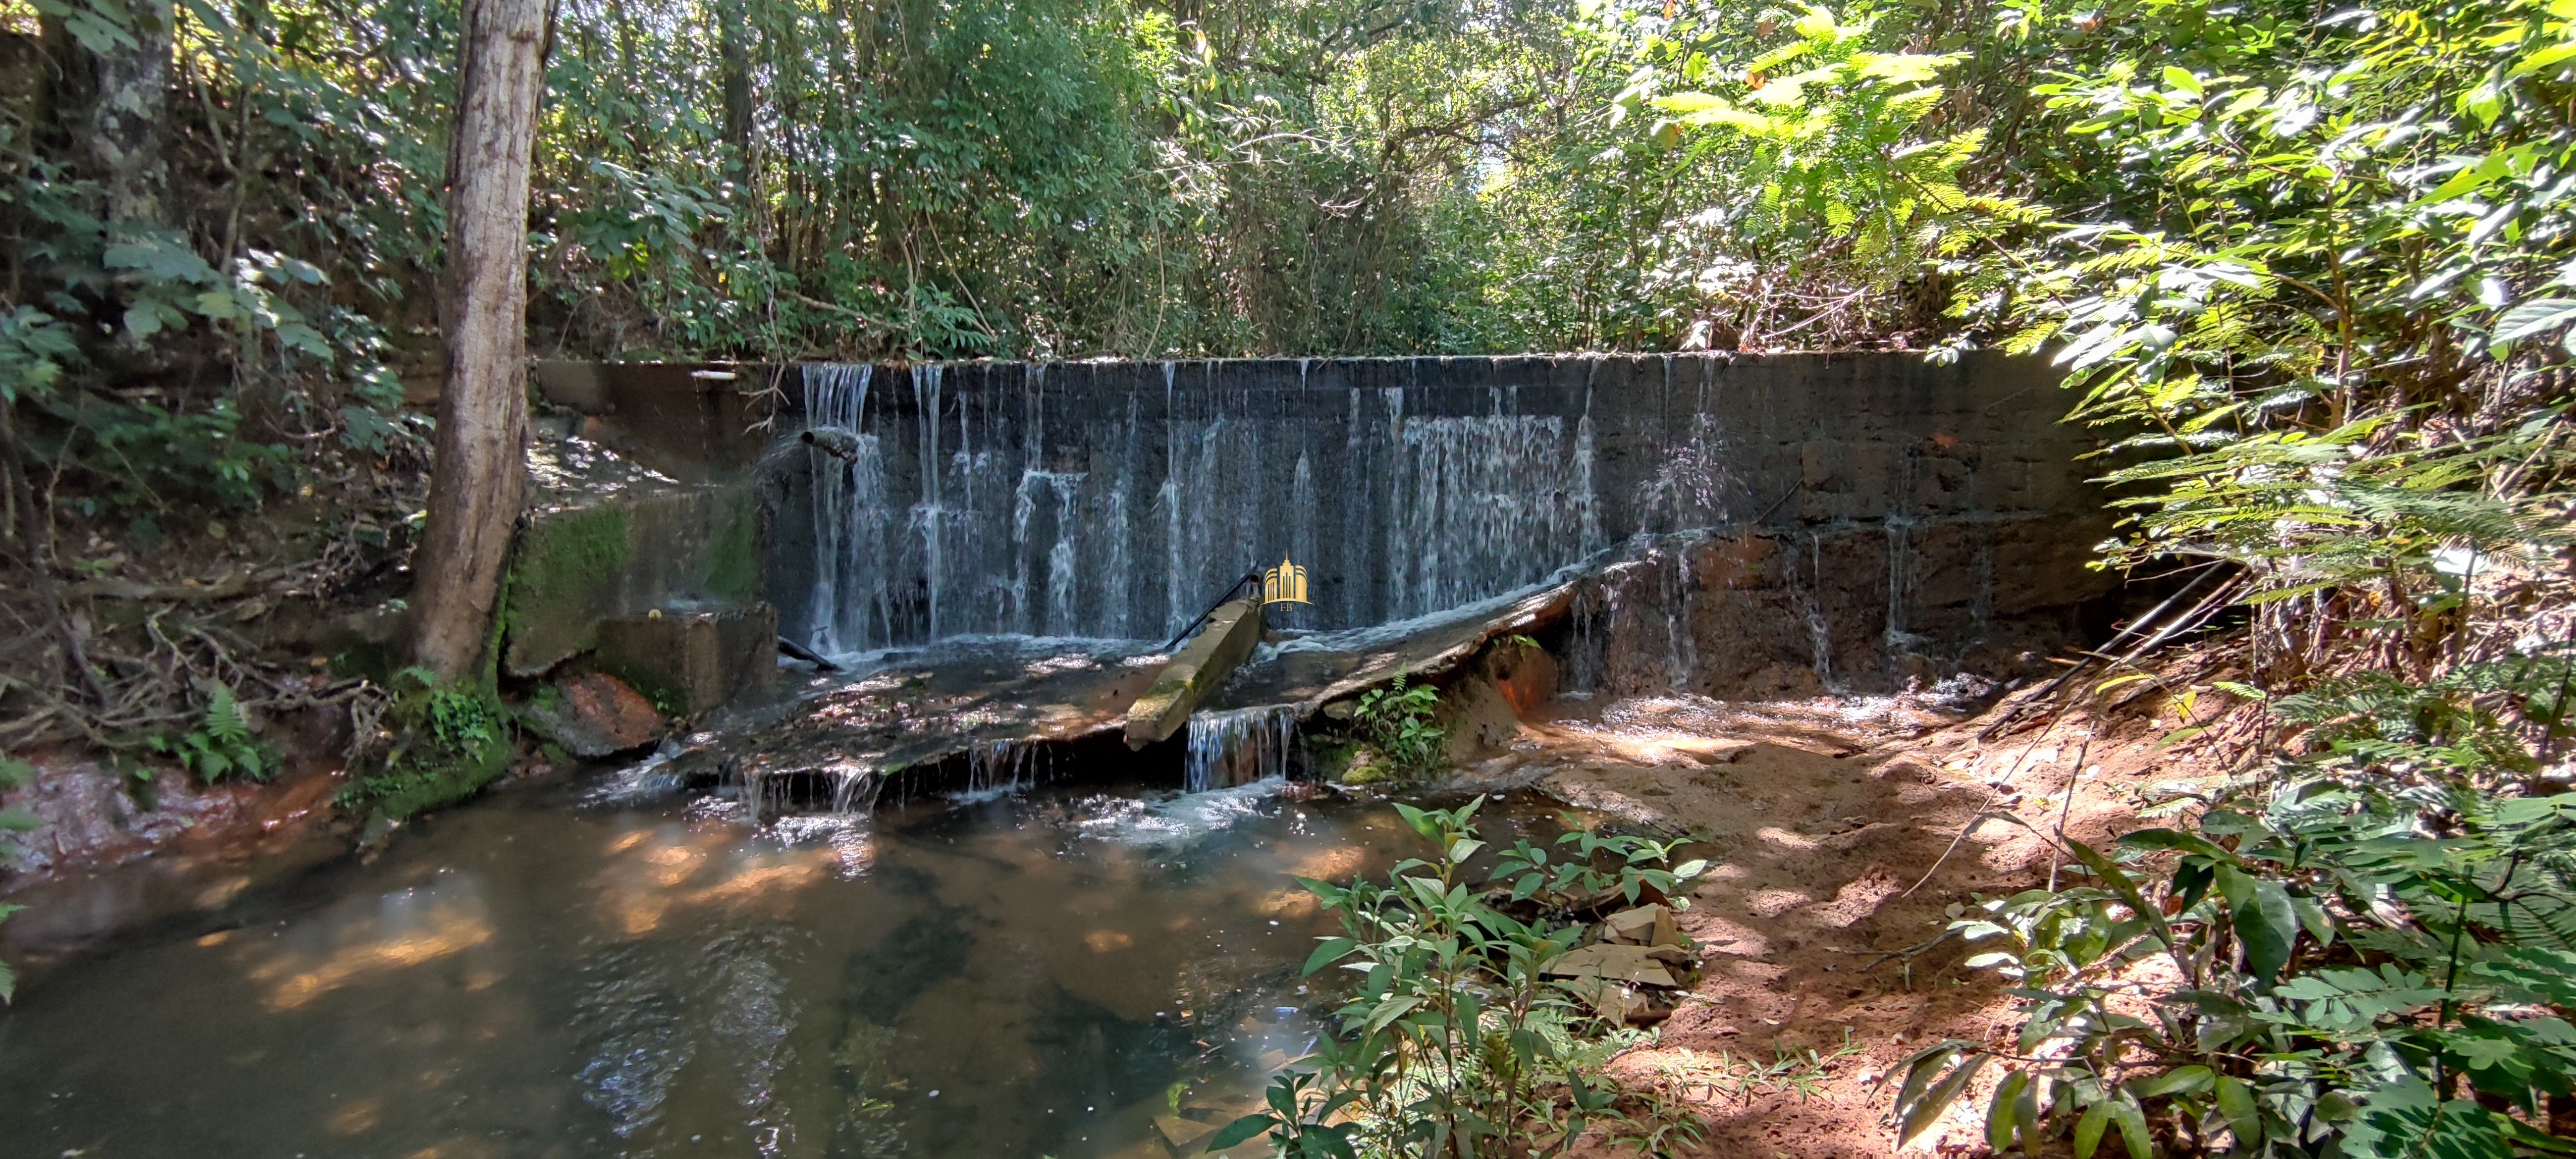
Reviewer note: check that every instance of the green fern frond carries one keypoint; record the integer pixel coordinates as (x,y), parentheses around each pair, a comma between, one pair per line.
(226,723)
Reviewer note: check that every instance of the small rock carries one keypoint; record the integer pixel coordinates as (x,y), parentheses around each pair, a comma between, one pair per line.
(1615,962)
(1182,1134)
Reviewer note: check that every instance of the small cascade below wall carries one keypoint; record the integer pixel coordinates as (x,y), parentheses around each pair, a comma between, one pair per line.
(1002,767)
(1239,746)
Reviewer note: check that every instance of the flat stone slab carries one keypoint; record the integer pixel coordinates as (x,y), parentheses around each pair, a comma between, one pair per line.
(595,715)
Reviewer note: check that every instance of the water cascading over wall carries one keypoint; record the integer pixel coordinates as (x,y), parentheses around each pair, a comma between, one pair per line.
(1040,500)
(1844,508)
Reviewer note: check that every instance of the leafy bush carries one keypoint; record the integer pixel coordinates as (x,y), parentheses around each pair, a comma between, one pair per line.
(1578,881)
(2371,952)
(1454,1041)
(1396,721)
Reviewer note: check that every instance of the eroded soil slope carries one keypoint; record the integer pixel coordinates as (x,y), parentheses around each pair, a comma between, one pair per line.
(1845,837)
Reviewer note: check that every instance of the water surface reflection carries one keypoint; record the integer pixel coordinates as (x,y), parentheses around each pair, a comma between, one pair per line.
(1041,974)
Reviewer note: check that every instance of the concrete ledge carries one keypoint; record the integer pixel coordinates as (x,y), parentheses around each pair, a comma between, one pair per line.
(688,662)
(1195,671)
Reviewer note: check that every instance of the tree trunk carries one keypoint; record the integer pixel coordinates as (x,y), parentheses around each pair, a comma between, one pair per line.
(733,53)
(474,492)
(110,106)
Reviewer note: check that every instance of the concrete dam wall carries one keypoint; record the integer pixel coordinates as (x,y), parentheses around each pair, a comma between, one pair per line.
(1756,525)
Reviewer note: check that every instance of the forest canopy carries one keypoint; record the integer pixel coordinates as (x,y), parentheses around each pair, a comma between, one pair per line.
(1045,178)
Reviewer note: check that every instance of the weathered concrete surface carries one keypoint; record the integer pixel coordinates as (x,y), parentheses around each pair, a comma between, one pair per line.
(692,422)
(1196,670)
(689,661)
(1919,512)
(609,538)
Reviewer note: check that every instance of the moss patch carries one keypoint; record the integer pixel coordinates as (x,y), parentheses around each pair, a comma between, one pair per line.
(453,741)
(564,576)
(733,567)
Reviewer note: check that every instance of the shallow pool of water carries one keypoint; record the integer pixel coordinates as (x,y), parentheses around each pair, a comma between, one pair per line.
(541,974)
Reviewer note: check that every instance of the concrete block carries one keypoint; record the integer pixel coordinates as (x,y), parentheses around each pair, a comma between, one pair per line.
(1194,671)
(691,661)
(624,556)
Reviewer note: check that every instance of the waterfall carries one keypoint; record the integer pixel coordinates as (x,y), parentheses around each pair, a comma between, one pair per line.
(849,508)
(1239,746)
(1480,499)
(1056,616)
(1117,587)
(929,515)
(1176,602)
(1301,544)
(1811,605)
(1061,571)
(993,499)
(1007,766)
(1359,531)
(854,789)
(1681,648)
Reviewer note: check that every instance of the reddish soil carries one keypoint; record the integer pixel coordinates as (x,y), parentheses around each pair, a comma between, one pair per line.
(1834,826)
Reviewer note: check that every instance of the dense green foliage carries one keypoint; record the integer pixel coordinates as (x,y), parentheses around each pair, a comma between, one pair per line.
(1399,726)
(2373,948)
(2309,275)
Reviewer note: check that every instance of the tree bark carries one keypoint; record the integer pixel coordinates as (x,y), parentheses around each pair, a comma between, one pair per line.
(111,108)
(478,475)
(733,53)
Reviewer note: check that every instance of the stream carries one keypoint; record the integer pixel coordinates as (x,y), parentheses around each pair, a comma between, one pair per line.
(564,969)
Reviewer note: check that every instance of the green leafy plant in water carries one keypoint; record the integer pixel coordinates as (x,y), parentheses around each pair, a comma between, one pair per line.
(1453,1041)
(222,745)
(1397,721)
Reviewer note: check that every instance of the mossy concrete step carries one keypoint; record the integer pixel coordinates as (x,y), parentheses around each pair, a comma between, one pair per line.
(625,556)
